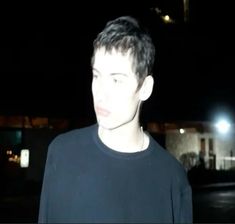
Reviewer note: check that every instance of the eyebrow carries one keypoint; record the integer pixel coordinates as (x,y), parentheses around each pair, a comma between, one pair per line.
(117,73)
(112,74)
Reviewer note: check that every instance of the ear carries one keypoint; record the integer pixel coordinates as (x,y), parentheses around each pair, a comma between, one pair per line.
(146,88)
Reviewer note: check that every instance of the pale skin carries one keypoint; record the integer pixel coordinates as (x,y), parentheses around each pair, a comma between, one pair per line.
(117,101)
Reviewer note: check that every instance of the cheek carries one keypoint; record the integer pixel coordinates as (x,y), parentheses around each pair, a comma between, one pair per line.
(124,103)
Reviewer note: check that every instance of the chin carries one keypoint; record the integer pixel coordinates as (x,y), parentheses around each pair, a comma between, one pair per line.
(110,125)
(106,126)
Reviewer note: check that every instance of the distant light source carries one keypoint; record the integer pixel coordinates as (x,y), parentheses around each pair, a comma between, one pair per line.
(182,131)
(166,18)
(223,126)
(24,158)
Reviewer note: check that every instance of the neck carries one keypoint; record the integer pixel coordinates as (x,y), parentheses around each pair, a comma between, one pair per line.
(127,138)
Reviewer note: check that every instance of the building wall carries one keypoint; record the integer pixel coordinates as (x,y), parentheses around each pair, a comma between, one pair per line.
(223,147)
(178,144)
(225,150)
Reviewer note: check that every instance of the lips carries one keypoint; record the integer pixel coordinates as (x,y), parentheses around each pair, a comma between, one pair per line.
(102,112)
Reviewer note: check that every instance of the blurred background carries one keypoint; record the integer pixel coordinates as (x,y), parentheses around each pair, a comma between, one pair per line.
(45,90)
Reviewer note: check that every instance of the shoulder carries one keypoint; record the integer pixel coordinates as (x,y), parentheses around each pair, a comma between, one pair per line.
(171,166)
(71,138)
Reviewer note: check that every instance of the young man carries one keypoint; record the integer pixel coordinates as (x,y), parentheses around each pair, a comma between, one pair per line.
(113,171)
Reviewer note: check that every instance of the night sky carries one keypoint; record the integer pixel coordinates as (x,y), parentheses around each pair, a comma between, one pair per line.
(45,59)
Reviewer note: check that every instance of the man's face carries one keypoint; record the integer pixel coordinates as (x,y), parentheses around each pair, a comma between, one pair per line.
(114,88)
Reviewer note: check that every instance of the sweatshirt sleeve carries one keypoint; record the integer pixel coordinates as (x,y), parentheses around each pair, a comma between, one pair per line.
(46,186)
(182,198)
(185,215)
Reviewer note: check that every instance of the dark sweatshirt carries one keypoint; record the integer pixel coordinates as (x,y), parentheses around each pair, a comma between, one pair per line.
(87,182)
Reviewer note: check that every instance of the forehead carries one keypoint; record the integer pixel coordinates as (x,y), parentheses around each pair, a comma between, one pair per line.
(113,61)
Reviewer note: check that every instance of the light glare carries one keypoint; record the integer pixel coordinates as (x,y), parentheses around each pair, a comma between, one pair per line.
(223,126)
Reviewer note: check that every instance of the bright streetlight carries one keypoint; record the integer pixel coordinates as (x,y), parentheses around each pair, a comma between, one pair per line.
(223,126)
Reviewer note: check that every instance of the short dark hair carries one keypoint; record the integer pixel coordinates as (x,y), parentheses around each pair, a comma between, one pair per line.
(125,34)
